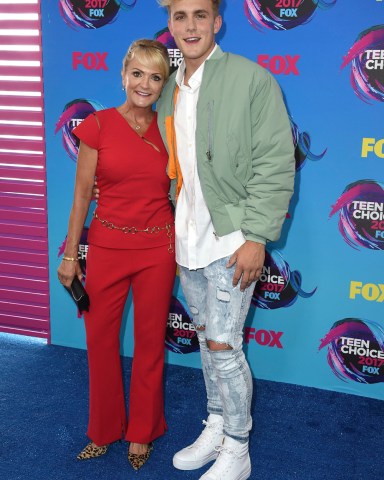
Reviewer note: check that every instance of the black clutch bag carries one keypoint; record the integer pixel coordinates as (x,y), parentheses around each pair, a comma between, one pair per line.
(79,295)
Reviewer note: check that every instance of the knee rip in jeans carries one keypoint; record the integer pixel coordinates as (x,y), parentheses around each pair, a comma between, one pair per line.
(218,346)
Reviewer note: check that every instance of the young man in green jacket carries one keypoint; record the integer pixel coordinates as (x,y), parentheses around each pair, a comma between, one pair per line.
(224,122)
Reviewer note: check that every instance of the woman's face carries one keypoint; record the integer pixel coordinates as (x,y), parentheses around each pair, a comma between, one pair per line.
(142,84)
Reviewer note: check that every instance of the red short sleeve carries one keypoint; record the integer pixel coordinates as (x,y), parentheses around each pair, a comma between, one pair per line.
(88,131)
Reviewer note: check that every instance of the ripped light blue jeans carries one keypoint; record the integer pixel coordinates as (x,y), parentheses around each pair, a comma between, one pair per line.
(221,308)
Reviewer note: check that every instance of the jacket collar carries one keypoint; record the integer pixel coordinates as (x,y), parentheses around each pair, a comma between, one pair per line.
(216,55)
(170,86)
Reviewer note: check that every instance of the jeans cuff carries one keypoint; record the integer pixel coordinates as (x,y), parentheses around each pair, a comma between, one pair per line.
(237,438)
(215,411)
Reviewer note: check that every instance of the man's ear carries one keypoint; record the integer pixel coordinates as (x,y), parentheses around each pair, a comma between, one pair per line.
(218,23)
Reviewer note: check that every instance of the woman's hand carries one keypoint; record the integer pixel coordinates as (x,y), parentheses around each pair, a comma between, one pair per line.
(95,192)
(67,272)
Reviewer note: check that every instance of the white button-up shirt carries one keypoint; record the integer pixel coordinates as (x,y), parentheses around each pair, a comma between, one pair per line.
(197,245)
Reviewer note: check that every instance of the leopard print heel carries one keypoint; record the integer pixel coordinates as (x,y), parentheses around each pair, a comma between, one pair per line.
(136,460)
(92,451)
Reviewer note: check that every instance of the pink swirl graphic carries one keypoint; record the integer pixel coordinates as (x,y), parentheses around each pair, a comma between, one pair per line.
(91,14)
(366,57)
(302,143)
(175,55)
(165,37)
(282,14)
(361,215)
(355,350)
(74,112)
(278,286)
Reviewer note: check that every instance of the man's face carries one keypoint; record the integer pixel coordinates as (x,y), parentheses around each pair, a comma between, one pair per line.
(193,26)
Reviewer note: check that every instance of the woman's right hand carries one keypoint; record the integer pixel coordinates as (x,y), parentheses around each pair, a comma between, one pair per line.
(67,271)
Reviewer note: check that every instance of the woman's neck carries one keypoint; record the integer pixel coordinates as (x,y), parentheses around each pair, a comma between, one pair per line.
(139,113)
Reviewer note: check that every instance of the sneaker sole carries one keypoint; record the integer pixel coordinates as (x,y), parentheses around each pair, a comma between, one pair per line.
(245,475)
(194,465)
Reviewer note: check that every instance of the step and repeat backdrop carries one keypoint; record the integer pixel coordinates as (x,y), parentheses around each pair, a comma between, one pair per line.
(317,312)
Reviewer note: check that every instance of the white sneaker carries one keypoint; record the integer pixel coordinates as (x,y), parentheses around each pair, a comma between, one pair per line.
(203,450)
(233,462)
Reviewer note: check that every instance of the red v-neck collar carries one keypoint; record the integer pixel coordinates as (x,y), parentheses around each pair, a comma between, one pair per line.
(154,119)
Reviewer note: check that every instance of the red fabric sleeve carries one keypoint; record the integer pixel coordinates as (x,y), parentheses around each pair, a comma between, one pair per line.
(88,131)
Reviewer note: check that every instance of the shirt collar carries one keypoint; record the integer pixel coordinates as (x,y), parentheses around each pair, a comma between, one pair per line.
(195,80)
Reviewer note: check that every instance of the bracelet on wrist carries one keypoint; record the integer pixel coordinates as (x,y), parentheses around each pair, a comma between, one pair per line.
(70,259)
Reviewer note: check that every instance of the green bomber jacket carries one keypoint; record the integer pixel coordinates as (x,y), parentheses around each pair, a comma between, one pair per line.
(244,146)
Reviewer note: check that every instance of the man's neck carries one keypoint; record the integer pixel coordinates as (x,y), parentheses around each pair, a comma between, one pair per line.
(190,68)
(192,64)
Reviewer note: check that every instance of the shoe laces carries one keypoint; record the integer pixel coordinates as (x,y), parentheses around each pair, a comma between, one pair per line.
(209,430)
(223,449)
(224,461)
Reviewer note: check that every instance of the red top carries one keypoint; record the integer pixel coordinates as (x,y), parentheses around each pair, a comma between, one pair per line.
(131,175)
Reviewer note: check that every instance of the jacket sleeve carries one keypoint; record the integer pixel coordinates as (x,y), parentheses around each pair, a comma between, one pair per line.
(273,163)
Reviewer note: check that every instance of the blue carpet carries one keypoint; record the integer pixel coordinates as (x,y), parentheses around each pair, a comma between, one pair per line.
(299,433)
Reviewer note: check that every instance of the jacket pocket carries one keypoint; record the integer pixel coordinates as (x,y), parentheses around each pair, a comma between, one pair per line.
(211,126)
(240,163)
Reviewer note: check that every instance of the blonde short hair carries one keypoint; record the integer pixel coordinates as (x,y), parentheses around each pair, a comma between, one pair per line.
(168,3)
(149,53)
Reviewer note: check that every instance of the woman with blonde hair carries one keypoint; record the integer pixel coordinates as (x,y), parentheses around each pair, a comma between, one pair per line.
(131,245)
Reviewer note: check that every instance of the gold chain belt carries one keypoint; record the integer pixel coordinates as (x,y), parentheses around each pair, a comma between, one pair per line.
(134,230)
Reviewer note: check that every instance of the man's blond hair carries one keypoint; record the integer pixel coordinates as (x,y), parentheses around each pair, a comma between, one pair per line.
(167,4)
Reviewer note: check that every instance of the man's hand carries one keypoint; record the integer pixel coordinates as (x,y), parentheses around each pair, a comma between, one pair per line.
(249,260)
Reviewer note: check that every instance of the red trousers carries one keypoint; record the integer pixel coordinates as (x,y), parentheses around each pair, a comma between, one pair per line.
(110,275)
